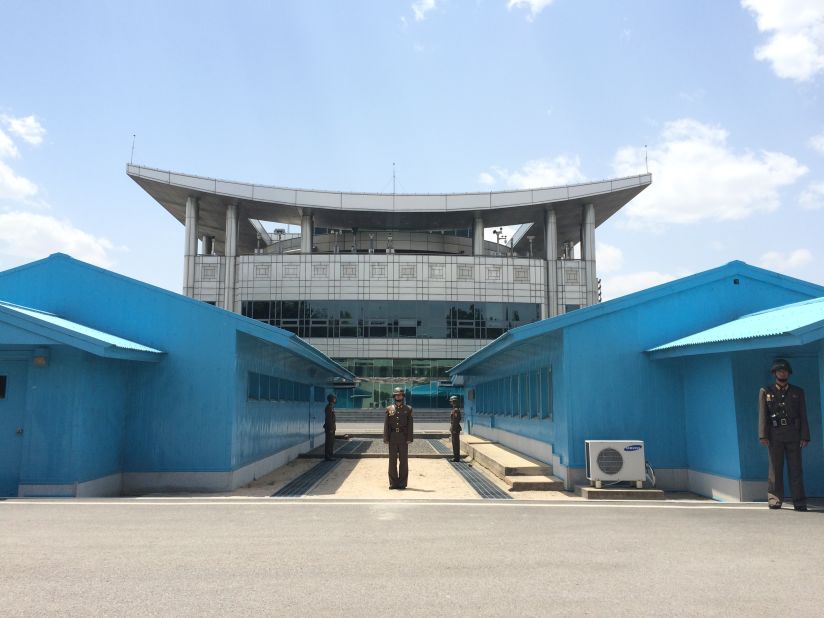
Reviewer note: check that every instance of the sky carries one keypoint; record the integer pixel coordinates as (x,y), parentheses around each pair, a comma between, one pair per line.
(721,100)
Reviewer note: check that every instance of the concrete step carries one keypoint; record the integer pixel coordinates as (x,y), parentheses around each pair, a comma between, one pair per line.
(542,482)
(518,471)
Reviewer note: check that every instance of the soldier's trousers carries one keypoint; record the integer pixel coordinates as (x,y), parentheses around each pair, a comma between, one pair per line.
(778,450)
(456,445)
(398,450)
(329,446)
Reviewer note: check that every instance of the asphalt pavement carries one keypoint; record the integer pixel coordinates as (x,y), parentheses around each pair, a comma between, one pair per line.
(368,557)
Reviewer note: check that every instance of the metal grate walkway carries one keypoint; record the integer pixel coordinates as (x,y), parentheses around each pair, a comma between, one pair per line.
(485,488)
(302,484)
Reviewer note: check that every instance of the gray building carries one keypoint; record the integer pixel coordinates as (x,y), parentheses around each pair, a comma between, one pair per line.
(397,288)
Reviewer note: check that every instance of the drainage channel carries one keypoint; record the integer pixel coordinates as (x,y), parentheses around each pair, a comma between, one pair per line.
(302,484)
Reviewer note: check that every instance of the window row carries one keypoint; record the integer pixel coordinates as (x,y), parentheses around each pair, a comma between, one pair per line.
(261,387)
(393,319)
(525,395)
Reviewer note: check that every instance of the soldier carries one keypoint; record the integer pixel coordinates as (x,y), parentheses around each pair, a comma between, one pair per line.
(397,433)
(783,428)
(329,427)
(455,428)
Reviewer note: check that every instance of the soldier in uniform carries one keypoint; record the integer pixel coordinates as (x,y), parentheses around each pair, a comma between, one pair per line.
(455,428)
(783,429)
(397,433)
(329,427)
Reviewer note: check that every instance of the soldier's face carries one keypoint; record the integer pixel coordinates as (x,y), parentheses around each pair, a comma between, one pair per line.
(781,375)
(398,397)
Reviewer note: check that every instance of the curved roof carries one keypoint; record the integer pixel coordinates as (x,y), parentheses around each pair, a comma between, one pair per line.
(341,210)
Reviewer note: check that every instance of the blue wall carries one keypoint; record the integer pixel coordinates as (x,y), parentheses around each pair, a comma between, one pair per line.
(712,429)
(607,387)
(92,416)
(75,418)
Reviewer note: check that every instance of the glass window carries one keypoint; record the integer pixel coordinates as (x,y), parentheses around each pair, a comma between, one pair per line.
(253,387)
(547,409)
(264,388)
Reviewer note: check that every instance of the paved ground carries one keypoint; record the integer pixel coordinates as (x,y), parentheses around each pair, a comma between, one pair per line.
(236,555)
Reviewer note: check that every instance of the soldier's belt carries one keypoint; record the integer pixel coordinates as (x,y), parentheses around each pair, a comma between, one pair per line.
(397,430)
(781,422)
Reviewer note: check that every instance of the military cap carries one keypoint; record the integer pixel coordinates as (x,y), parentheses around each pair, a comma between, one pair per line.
(453,398)
(397,391)
(780,363)
(330,397)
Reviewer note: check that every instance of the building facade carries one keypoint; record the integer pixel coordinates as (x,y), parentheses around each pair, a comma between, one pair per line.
(677,366)
(111,386)
(396,288)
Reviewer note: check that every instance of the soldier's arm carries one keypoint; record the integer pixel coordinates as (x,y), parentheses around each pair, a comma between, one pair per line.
(763,433)
(410,428)
(386,426)
(805,426)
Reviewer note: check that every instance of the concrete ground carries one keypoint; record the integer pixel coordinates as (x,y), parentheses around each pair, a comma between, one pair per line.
(353,547)
(222,556)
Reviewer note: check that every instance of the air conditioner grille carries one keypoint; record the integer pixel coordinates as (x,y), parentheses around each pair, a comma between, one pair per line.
(610,461)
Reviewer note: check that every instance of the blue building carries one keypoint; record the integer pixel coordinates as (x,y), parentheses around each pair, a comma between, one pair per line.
(677,366)
(109,386)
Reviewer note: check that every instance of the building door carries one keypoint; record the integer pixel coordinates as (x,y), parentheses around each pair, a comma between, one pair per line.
(12,404)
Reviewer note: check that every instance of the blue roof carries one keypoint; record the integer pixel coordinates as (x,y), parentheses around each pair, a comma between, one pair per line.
(795,324)
(255,328)
(523,334)
(77,335)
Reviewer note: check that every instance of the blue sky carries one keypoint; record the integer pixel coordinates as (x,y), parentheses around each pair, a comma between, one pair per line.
(469,95)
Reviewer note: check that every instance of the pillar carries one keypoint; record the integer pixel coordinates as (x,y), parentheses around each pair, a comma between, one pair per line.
(306,224)
(231,257)
(190,247)
(588,252)
(551,238)
(478,236)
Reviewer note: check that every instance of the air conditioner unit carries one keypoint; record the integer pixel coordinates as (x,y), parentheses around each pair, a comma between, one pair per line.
(615,460)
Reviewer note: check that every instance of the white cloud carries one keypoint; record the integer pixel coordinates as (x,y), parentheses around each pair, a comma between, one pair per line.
(812,197)
(7,148)
(620,285)
(14,187)
(26,236)
(486,179)
(775,260)
(534,6)
(817,142)
(698,177)
(421,7)
(610,258)
(27,128)
(796,45)
(562,170)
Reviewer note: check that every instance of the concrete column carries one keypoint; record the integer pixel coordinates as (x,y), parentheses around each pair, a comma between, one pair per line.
(306,230)
(588,233)
(190,247)
(231,257)
(478,236)
(588,252)
(551,237)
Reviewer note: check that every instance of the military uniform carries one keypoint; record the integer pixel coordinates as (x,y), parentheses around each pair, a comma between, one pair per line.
(329,428)
(782,419)
(455,430)
(397,433)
